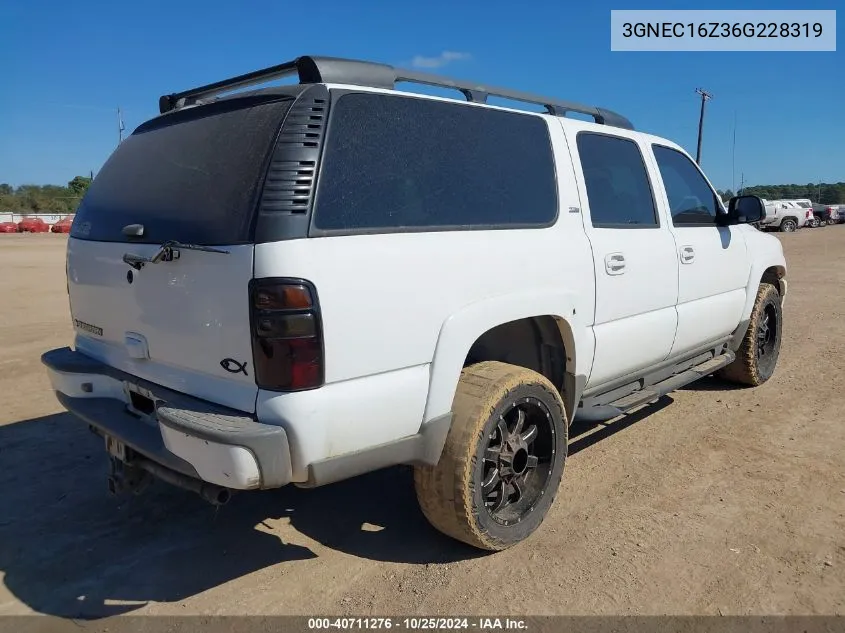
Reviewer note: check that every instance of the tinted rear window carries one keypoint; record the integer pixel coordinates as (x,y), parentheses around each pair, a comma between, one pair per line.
(404,163)
(191,176)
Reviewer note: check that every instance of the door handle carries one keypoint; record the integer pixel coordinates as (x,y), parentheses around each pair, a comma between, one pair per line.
(687,254)
(614,263)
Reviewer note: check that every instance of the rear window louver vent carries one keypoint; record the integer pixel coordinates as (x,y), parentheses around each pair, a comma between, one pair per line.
(288,186)
(292,173)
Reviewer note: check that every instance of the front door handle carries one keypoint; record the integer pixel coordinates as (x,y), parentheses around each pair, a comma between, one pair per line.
(614,263)
(687,254)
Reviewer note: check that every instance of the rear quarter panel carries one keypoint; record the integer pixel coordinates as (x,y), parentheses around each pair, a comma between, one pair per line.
(387,300)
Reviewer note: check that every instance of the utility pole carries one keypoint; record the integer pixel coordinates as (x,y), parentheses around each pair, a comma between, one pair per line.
(741,184)
(705,96)
(120,127)
(733,159)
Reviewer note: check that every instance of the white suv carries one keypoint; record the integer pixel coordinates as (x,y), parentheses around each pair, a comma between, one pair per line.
(308,282)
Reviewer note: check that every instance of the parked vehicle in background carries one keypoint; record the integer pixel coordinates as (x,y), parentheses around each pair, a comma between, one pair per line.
(830,213)
(8,227)
(821,215)
(250,331)
(807,207)
(62,226)
(33,225)
(786,215)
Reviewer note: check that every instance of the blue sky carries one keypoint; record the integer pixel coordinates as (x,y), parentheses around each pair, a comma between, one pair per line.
(68,65)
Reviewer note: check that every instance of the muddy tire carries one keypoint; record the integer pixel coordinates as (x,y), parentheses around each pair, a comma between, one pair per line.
(758,354)
(503,460)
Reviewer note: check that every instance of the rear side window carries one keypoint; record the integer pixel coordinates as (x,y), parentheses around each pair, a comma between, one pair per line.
(395,163)
(618,188)
(691,200)
(191,176)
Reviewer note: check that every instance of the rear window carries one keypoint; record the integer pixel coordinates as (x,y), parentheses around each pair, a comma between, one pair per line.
(395,163)
(191,176)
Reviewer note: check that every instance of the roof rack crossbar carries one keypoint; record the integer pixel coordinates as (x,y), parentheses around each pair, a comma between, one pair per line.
(375,75)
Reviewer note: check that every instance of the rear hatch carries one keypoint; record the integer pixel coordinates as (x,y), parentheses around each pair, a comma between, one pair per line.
(191,176)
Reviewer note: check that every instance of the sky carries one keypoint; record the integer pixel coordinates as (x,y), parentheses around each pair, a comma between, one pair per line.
(67,66)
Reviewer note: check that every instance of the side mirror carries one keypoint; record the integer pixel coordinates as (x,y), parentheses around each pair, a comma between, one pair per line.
(746,210)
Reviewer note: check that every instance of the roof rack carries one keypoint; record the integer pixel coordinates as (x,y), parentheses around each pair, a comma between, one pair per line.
(376,75)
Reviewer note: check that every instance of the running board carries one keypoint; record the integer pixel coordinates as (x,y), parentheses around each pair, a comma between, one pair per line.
(658,390)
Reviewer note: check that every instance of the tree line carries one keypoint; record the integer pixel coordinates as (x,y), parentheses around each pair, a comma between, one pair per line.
(823,193)
(43,198)
(58,199)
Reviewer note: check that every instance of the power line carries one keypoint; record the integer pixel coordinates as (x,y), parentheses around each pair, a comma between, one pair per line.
(705,96)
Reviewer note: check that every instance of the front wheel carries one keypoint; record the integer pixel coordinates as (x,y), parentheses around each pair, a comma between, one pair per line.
(788,226)
(758,354)
(503,459)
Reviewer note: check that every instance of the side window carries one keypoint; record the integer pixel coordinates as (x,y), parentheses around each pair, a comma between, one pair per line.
(618,188)
(395,163)
(691,200)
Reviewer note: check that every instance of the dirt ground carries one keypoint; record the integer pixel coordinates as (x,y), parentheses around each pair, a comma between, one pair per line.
(714,500)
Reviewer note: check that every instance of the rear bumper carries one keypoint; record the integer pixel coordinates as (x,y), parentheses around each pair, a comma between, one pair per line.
(187,435)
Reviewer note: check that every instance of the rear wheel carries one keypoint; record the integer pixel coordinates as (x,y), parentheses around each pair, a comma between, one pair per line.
(788,226)
(503,460)
(758,354)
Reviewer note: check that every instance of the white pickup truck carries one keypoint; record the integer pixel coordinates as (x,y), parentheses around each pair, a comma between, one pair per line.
(787,215)
(303,283)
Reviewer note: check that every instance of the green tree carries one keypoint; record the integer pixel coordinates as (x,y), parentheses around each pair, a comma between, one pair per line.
(79,185)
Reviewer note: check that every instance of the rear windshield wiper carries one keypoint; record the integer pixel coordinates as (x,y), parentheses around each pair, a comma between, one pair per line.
(167,253)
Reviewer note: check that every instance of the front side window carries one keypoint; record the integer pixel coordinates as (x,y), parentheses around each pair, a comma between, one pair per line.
(618,188)
(691,200)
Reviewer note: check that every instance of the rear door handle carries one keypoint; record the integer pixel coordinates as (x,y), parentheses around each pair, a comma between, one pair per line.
(614,263)
(687,254)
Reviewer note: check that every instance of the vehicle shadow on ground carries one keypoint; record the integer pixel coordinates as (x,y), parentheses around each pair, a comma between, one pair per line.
(709,383)
(583,433)
(69,549)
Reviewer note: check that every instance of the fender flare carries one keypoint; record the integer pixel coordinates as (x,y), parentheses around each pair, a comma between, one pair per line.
(754,279)
(462,328)
(758,268)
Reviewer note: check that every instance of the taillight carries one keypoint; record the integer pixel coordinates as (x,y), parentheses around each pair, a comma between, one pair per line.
(808,214)
(287,342)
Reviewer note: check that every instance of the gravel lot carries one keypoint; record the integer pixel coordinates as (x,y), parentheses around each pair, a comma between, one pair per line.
(714,500)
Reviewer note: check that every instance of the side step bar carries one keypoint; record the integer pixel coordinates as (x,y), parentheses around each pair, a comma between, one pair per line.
(658,390)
